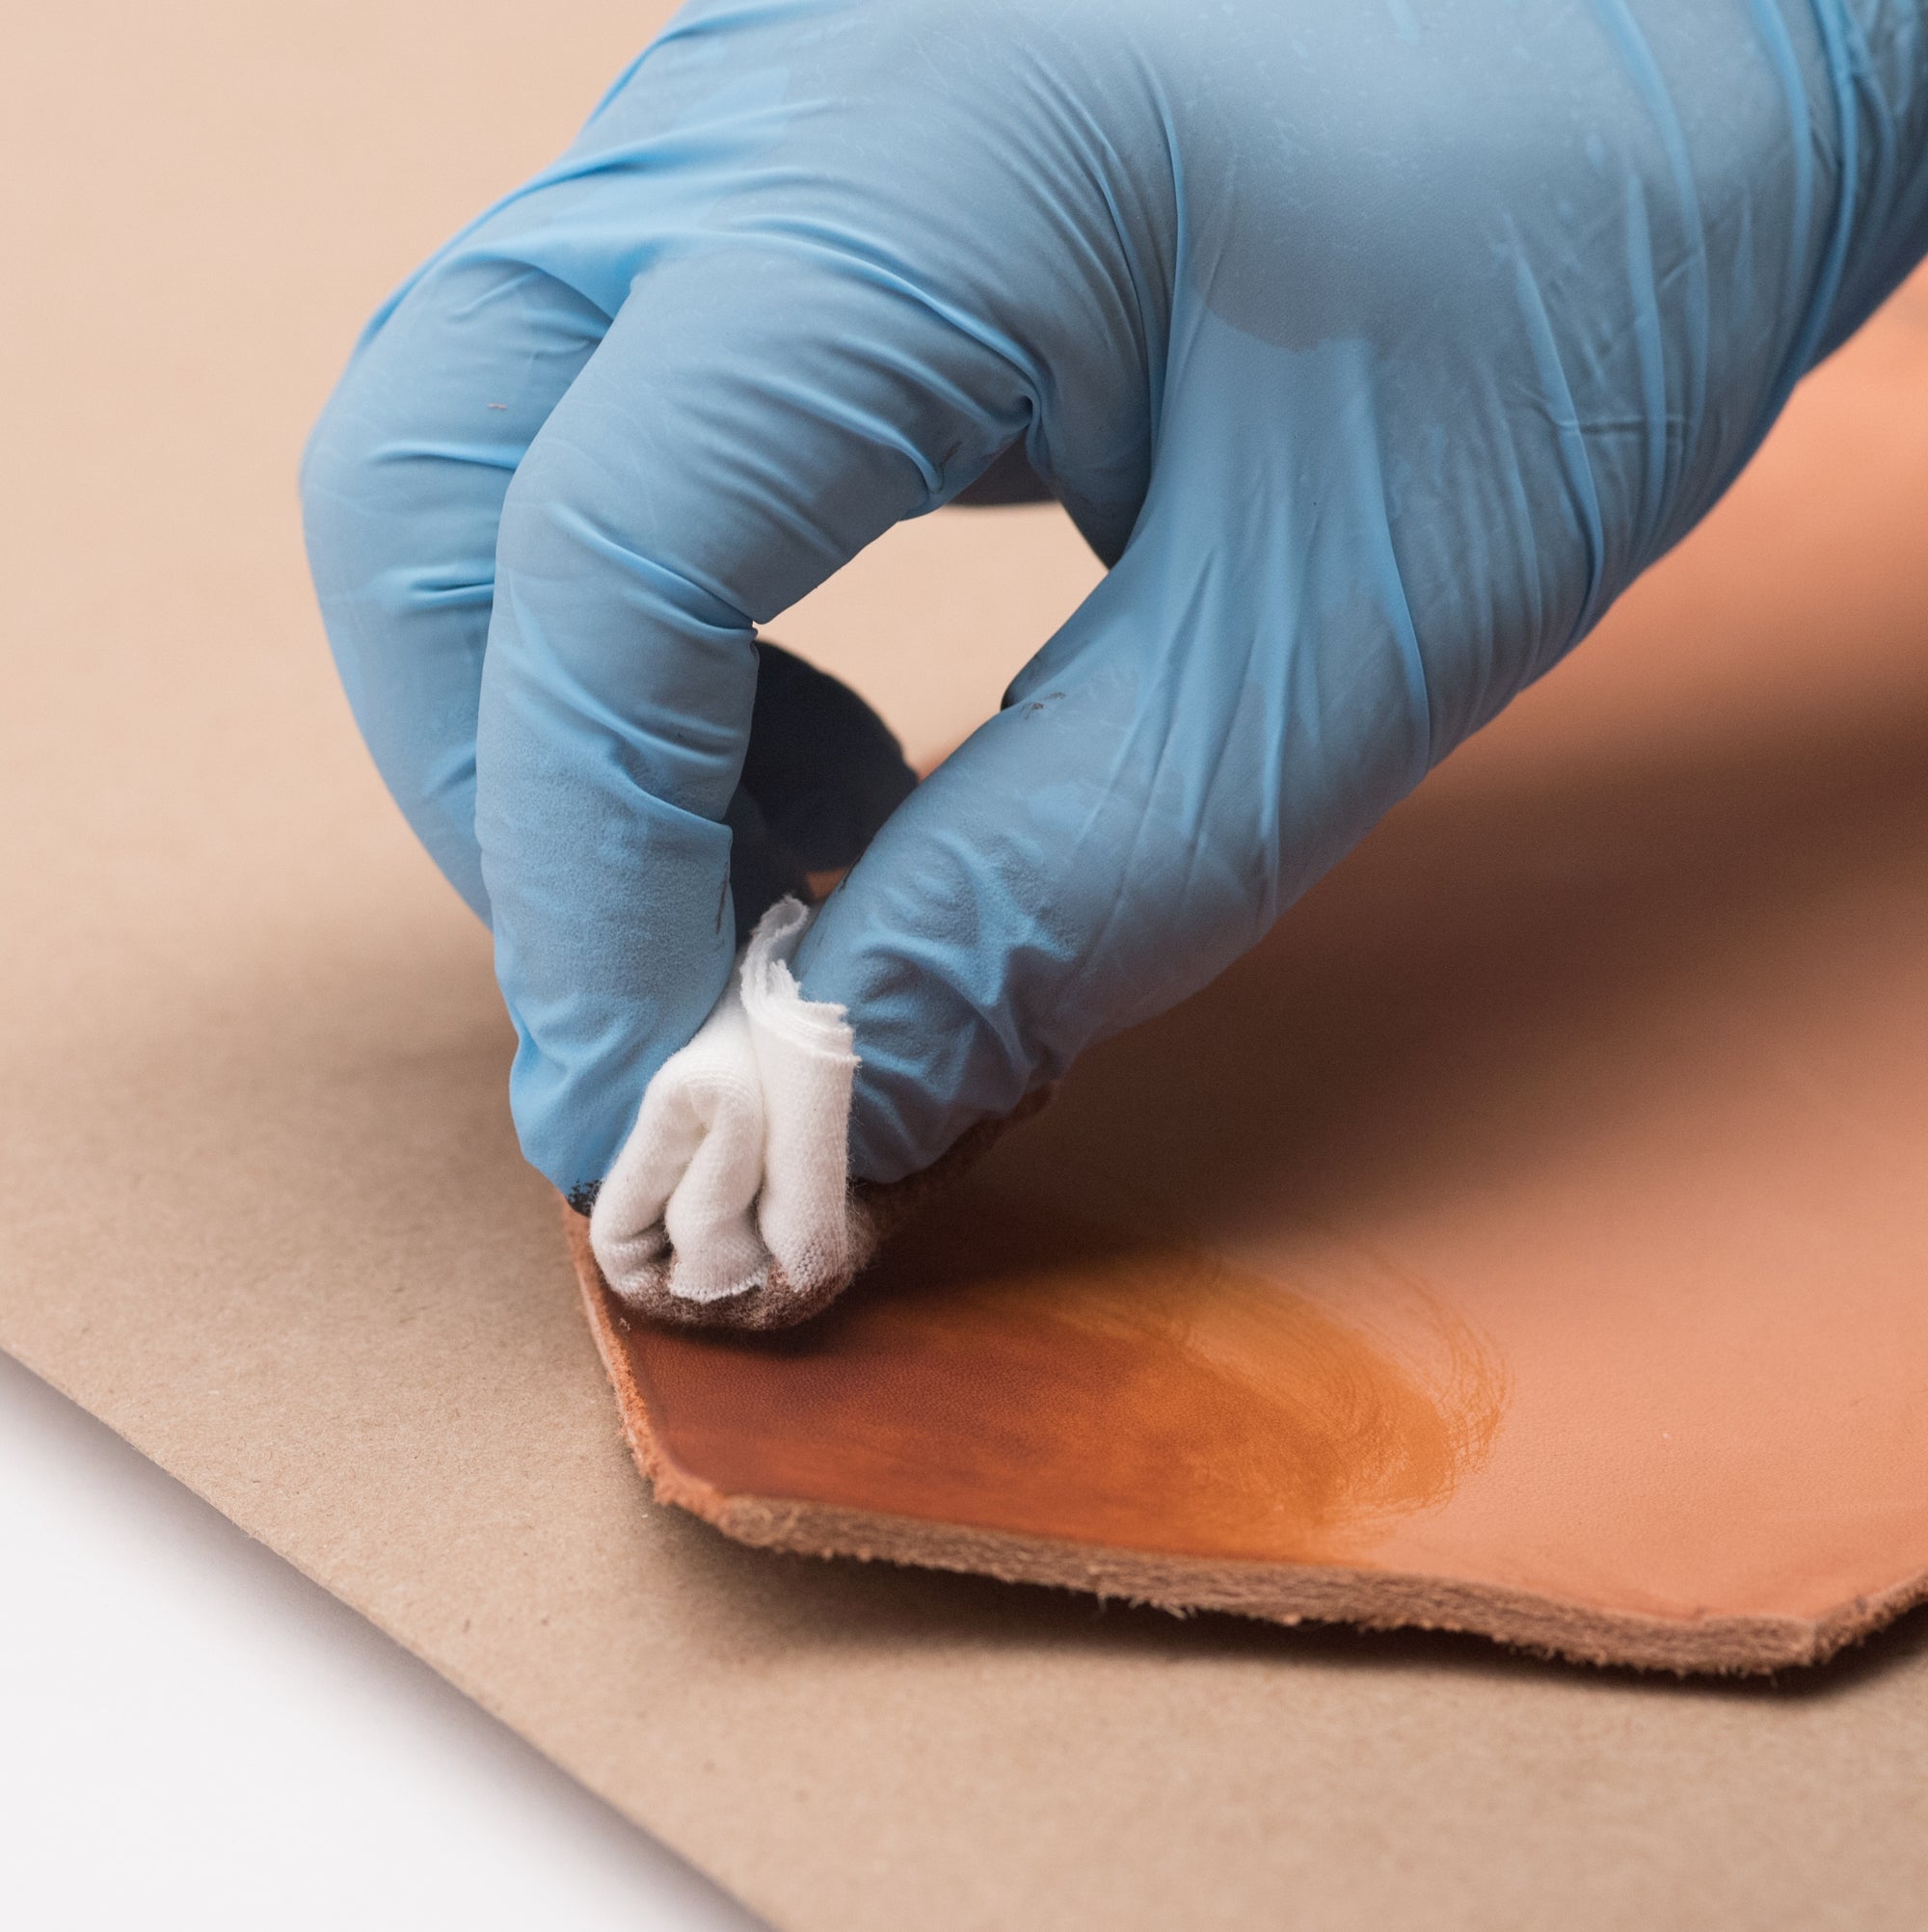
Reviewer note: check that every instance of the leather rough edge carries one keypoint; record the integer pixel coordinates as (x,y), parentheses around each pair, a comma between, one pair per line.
(875,1212)
(1279,1593)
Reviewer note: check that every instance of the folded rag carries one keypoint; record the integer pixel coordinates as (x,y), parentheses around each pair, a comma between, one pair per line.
(731,1192)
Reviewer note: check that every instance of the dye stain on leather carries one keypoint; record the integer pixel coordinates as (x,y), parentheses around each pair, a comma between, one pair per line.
(1014,1370)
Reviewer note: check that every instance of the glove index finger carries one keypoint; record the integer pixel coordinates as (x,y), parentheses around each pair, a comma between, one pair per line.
(756,414)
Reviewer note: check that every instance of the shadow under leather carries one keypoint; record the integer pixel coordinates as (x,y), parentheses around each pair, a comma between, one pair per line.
(797,1603)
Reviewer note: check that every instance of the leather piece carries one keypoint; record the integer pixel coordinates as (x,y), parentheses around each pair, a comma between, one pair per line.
(1527,1237)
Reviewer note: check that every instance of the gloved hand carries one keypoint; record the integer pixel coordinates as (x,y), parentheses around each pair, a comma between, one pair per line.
(1377,346)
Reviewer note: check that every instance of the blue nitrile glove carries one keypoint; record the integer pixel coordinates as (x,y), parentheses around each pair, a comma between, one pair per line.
(1378,344)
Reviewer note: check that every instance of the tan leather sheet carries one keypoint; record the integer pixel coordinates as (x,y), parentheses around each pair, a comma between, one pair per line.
(1531,1237)
(259,1206)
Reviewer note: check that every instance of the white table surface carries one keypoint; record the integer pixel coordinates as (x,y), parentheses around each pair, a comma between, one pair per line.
(192,1733)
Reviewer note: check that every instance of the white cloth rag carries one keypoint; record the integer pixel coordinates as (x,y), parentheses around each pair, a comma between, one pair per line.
(735,1178)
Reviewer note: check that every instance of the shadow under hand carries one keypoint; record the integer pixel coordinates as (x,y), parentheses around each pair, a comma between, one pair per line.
(1515,953)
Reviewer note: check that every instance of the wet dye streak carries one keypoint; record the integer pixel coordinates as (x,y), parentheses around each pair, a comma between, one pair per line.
(1007,1369)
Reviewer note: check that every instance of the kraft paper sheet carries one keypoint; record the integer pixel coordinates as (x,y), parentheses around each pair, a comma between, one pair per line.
(262,1211)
